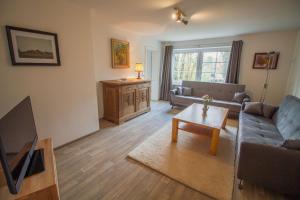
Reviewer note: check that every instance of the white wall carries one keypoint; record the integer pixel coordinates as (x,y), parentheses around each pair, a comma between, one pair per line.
(293,86)
(283,42)
(102,32)
(64,98)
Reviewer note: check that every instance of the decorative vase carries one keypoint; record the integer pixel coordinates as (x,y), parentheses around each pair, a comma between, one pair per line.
(206,100)
(204,109)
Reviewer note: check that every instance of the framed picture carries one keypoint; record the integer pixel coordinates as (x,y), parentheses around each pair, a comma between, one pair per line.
(32,47)
(119,53)
(264,60)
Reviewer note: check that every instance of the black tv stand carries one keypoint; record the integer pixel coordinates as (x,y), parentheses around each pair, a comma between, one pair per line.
(36,164)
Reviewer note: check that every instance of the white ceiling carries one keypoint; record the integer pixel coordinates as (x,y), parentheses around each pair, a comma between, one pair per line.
(207,18)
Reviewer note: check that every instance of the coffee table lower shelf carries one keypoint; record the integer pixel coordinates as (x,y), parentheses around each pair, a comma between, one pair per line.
(195,129)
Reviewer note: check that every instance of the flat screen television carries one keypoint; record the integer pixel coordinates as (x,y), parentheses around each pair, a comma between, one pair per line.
(18,138)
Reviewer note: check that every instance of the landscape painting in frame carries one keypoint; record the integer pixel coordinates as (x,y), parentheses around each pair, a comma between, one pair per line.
(32,47)
(264,60)
(120,53)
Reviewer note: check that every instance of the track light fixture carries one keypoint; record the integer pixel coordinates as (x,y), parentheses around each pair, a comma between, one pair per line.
(179,16)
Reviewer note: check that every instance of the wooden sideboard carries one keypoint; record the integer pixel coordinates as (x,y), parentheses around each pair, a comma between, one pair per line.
(125,99)
(39,186)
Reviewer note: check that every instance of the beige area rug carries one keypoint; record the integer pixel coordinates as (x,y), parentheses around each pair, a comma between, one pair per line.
(189,162)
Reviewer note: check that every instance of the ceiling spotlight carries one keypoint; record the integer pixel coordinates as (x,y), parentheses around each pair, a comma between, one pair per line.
(174,16)
(179,16)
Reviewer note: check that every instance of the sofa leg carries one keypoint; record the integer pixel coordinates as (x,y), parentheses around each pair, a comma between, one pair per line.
(241,184)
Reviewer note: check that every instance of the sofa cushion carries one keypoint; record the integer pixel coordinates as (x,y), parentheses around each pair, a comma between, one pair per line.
(186,91)
(219,91)
(287,118)
(255,108)
(257,129)
(239,97)
(268,110)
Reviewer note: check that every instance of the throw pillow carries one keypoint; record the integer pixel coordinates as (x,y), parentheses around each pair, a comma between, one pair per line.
(269,110)
(179,90)
(255,108)
(239,97)
(291,144)
(187,91)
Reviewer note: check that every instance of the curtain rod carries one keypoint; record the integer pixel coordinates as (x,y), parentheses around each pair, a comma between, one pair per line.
(199,48)
(220,44)
(205,45)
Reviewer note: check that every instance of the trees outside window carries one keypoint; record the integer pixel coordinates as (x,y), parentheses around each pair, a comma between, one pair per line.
(201,64)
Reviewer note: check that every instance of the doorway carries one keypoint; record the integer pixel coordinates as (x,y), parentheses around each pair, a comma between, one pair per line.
(151,71)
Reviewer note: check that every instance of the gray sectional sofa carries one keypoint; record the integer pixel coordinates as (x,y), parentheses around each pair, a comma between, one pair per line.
(222,94)
(268,152)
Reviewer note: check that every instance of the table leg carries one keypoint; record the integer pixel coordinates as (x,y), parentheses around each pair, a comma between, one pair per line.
(214,141)
(224,123)
(174,130)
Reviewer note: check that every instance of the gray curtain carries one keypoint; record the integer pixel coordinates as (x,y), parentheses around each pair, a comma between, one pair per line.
(234,62)
(166,80)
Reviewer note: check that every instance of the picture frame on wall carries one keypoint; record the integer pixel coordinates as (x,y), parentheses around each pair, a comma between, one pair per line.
(265,60)
(32,47)
(120,53)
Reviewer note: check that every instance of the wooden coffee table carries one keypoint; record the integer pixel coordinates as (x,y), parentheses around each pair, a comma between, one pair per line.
(191,120)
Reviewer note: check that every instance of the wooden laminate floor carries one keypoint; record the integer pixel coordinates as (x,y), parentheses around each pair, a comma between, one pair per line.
(96,167)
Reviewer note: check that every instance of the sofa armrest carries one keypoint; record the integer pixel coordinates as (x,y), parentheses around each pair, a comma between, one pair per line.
(273,167)
(173,92)
(247,99)
(172,95)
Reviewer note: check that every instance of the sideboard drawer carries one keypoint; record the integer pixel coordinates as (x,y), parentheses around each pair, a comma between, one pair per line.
(145,85)
(128,88)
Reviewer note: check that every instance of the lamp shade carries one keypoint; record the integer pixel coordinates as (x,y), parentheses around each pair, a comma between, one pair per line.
(139,67)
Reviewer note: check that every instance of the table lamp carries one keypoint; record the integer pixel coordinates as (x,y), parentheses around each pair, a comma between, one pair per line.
(139,68)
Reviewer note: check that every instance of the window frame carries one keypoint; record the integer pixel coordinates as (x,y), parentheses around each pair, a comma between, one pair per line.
(199,65)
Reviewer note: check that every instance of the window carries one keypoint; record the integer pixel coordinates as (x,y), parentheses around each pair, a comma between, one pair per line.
(202,64)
